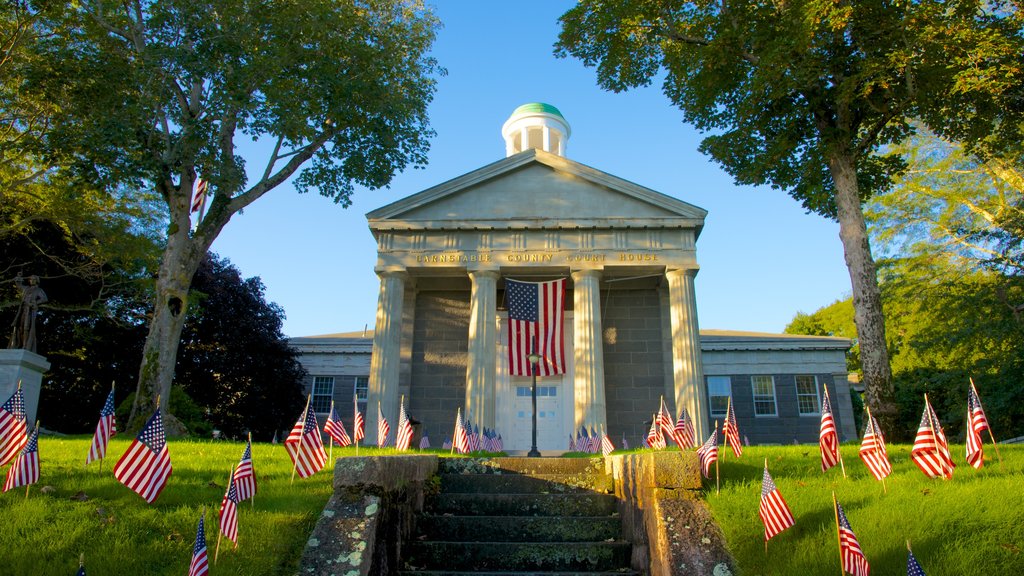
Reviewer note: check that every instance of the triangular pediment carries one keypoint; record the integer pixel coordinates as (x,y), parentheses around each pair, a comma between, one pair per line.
(536,188)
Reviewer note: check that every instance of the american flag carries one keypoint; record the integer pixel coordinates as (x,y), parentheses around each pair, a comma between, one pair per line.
(773,509)
(499,444)
(655,439)
(583,440)
(383,428)
(474,438)
(873,452)
(81,570)
(930,451)
(13,428)
(404,435)
(606,445)
(572,442)
(245,475)
(304,445)
(146,465)
(461,436)
(199,196)
(913,568)
(828,439)
(625,445)
(424,441)
(683,433)
(25,469)
(535,324)
(199,565)
(976,424)
(731,431)
(229,513)
(708,453)
(358,424)
(447,445)
(595,441)
(665,419)
(853,559)
(105,429)
(335,428)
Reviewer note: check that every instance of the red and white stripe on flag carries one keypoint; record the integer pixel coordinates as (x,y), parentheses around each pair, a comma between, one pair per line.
(199,196)
(200,565)
(383,428)
(358,423)
(828,438)
(873,452)
(606,445)
(245,475)
(404,435)
(773,510)
(146,465)
(305,446)
(931,451)
(105,429)
(708,453)
(461,436)
(731,431)
(13,428)
(536,319)
(976,424)
(852,556)
(335,428)
(25,469)
(683,433)
(229,513)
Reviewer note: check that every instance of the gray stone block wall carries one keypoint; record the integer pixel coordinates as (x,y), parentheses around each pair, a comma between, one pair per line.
(439,356)
(634,361)
(788,424)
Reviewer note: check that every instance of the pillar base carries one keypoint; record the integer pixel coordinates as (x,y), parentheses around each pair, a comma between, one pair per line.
(28,367)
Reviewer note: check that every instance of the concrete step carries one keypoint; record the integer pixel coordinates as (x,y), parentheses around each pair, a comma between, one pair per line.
(518,556)
(520,529)
(524,484)
(523,504)
(528,466)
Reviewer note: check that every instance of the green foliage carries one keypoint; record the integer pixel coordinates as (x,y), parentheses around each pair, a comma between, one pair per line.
(194,417)
(955,527)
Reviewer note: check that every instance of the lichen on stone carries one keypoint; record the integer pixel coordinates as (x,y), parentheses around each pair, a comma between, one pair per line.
(371,509)
(313,543)
(722,570)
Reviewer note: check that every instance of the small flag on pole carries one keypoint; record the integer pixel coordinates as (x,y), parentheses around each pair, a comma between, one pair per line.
(358,423)
(383,428)
(461,437)
(731,431)
(625,444)
(873,451)
(708,453)
(931,451)
(199,565)
(655,440)
(304,445)
(229,513)
(146,465)
(13,428)
(683,433)
(976,424)
(404,435)
(850,553)
(105,429)
(606,445)
(665,419)
(828,438)
(25,470)
(424,441)
(335,428)
(245,475)
(913,568)
(774,512)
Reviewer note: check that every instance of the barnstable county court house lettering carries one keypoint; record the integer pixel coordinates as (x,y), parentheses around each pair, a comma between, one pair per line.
(631,335)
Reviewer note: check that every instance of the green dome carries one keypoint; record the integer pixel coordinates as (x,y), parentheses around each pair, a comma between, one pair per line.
(534,107)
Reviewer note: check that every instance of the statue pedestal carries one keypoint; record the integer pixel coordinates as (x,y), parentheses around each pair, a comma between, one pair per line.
(28,367)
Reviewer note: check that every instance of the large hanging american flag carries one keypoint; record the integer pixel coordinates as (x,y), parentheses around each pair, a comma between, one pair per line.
(873,452)
(535,325)
(358,424)
(229,513)
(13,428)
(403,437)
(976,424)
(708,453)
(774,512)
(335,428)
(731,431)
(383,428)
(245,475)
(852,556)
(146,465)
(25,469)
(199,565)
(828,438)
(305,446)
(105,429)
(931,451)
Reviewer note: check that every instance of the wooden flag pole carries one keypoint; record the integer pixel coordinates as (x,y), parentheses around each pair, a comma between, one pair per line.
(81,560)
(455,430)
(728,405)
(252,498)
(355,402)
(295,463)
(839,540)
(219,533)
(989,427)
(717,484)
(330,439)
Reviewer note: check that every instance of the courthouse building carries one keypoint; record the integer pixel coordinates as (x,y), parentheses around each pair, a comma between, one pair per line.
(629,255)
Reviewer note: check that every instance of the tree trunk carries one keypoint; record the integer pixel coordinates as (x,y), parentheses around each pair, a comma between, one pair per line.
(867,299)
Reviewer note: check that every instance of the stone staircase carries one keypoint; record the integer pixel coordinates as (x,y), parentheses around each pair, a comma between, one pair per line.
(552,516)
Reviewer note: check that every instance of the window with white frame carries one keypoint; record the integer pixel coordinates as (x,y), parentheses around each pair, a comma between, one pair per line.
(362,387)
(719,390)
(764,395)
(323,393)
(807,401)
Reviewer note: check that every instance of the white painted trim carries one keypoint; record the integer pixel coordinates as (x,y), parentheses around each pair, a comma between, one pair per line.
(707,392)
(817,397)
(754,396)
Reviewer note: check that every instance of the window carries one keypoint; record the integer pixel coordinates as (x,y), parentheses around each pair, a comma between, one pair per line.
(807,401)
(323,393)
(362,386)
(719,390)
(764,395)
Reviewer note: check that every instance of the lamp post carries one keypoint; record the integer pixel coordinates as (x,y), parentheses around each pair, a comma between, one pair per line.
(534,359)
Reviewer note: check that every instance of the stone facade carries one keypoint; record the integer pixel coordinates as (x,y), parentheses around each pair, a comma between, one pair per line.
(439,360)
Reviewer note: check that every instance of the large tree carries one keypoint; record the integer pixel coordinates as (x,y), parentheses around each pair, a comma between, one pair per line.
(154,94)
(805,95)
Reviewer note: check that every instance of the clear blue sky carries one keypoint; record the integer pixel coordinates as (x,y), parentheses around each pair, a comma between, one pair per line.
(762,258)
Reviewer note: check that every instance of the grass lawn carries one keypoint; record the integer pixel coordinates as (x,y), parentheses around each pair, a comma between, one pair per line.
(972,524)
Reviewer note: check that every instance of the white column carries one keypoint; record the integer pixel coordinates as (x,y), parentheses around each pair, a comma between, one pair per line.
(524,138)
(483,347)
(588,350)
(687,369)
(546,141)
(386,357)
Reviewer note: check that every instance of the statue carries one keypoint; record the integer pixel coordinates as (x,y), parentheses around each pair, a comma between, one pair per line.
(32,296)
